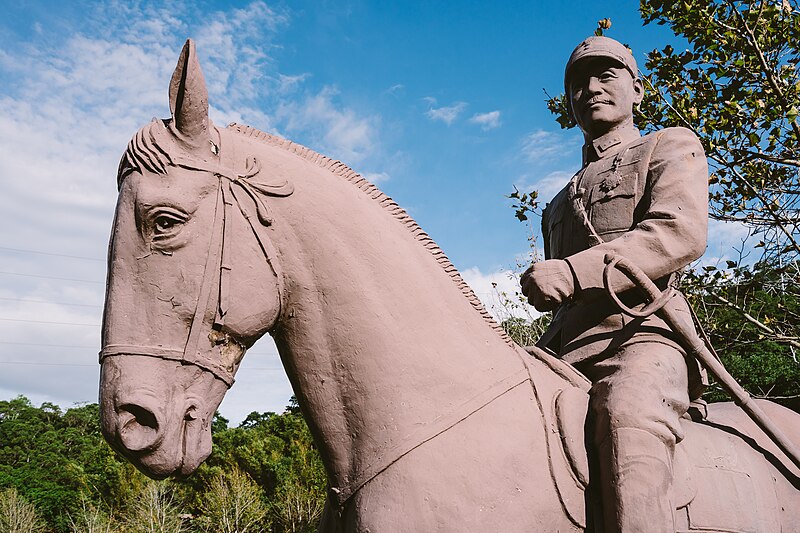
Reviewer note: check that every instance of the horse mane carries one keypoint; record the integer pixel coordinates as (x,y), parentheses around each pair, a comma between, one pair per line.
(340,169)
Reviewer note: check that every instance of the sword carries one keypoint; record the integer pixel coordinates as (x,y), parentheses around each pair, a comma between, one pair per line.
(694,346)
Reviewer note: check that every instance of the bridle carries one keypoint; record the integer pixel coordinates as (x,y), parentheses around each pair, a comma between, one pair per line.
(212,306)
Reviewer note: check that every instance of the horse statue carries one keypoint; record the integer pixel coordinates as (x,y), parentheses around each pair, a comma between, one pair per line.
(426,415)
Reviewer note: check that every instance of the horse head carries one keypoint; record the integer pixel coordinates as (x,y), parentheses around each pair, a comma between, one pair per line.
(172,339)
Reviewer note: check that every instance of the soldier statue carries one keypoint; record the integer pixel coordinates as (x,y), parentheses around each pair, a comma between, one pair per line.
(644,198)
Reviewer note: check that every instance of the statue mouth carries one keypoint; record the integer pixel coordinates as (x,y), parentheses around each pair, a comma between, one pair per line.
(177,457)
(596,102)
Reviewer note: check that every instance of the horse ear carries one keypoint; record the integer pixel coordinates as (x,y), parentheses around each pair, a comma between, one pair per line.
(188,98)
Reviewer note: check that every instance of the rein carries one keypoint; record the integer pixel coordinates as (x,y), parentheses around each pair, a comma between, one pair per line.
(439,425)
(210,306)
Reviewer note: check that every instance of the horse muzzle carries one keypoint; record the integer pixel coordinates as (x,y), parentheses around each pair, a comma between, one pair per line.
(157,413)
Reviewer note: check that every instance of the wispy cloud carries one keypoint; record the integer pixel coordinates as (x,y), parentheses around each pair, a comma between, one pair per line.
(337,130)
(235,62)
(287,84)
(726,241)
(396,89)
(446,114)
(377,178)
(487,121)
(64,122)
(500,293)
(541,144)
(547,186)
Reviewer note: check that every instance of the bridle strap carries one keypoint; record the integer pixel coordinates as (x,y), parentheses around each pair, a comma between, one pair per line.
(259,227)
(151,351)
(207,302)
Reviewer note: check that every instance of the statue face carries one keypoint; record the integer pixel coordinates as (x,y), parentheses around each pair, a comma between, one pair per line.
(602,94)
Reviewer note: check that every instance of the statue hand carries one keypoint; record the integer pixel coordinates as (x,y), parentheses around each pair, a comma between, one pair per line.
(548,283)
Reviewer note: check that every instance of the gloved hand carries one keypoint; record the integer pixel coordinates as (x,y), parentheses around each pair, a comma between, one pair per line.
(548,283)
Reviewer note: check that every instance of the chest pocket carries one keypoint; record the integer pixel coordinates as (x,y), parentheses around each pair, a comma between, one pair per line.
(611,207)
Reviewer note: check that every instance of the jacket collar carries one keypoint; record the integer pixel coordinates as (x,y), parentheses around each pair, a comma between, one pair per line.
(610,143)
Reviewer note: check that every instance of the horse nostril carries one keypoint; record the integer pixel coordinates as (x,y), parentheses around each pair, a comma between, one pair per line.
(142,415)
(191,413)
(138,428)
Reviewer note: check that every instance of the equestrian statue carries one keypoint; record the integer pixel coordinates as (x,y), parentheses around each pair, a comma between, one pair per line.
(427,416)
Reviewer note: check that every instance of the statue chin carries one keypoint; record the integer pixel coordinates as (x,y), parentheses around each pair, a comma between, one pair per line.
(172,460)
(157,466)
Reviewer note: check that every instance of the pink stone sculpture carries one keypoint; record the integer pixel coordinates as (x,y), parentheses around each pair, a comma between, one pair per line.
(428,418)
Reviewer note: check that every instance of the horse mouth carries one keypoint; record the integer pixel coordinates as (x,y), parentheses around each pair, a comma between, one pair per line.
(159,443)
(175,458)
(159,463)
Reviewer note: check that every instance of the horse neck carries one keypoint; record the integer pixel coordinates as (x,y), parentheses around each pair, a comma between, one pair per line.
(376,337)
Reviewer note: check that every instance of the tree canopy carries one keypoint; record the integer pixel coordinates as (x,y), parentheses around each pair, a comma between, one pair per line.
(56,470)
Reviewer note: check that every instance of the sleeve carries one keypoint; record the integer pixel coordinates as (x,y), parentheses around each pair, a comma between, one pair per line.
(673,230)
(546,231)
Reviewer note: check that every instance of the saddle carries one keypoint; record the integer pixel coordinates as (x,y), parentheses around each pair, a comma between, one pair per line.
(722,480)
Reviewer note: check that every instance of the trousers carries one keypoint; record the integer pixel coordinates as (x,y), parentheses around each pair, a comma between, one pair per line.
(637,399)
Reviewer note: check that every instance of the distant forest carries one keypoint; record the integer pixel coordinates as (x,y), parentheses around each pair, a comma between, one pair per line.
(58,474)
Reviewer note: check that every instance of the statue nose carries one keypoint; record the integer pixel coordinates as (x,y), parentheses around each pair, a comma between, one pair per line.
(138,428)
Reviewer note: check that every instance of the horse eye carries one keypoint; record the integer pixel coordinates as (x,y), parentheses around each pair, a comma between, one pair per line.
(166,224)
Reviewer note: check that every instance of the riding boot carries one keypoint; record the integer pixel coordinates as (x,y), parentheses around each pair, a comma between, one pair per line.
(636,477)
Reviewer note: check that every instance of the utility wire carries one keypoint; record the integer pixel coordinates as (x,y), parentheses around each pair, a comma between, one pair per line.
(87,347)
(48,322)
(48,345)
(52,277)
(33,363)
(27,300)
(36,363)
(93,347)
(37,252)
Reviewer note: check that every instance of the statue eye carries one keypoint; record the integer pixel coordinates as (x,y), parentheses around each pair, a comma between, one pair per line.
(166,224)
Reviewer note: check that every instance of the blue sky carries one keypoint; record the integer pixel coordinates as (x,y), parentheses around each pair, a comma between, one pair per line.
(440,103)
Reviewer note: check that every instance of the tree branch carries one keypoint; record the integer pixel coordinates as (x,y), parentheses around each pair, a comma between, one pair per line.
(767,157)
(792,397)
(792,341)
(770,209)
(751,38)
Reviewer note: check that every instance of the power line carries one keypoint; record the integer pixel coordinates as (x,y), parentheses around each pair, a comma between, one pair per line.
(27,300)
(95,347)
(52,277)
(37,363)
(37,252)
(48,345)
(34,363)
(48,322)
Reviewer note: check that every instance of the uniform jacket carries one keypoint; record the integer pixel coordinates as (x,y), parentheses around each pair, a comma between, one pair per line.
(646,198)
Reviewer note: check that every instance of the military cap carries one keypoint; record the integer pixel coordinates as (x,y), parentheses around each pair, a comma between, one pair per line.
(595,46)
